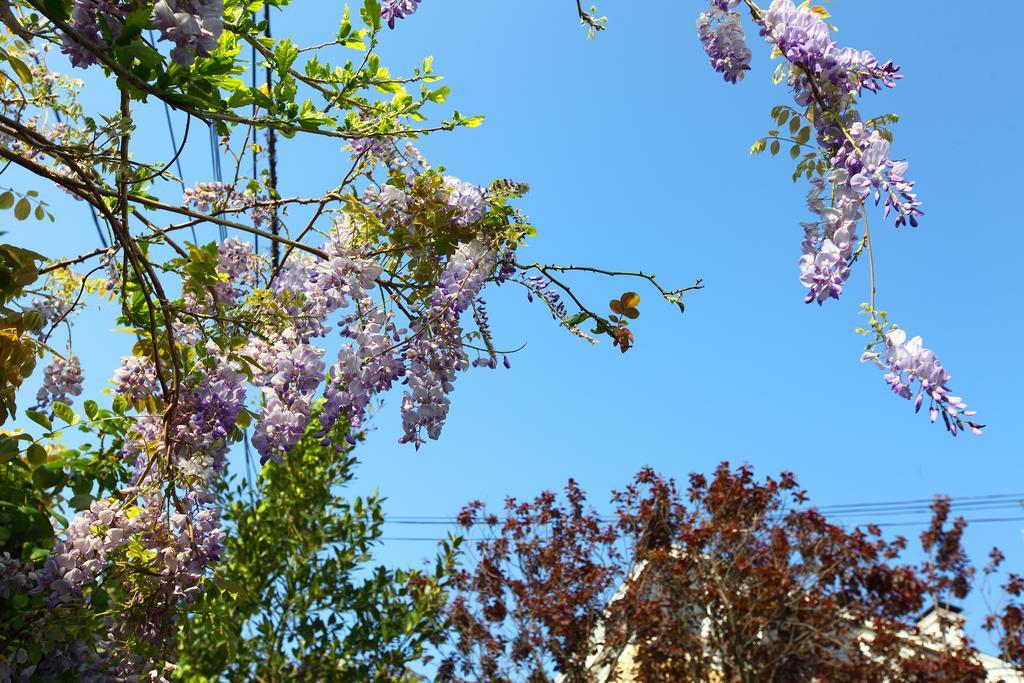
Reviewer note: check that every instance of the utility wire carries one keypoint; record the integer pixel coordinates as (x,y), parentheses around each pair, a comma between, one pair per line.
(275,224)
(879,512)
(984,520)
(218,174)
(92,209)
(174,148)
(1008,500)
(255,156)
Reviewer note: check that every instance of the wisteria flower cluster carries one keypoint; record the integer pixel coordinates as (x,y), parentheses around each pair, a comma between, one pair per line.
(218,197)
(850,167)
(308,298)
(62,379)
(228,345)
(135,379)
(830,241)
(721,32)
(913,371)
(194,26)
(392,10)
(435,354)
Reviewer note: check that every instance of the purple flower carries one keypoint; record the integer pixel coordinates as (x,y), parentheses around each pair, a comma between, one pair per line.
(723,38)
(62,379)
(367,366)
(828,243)
(194,26)
(135,379)
(435,353)
(908,363)
(89,18)
(397,9)
(466,199)
(280,426)
(379,148)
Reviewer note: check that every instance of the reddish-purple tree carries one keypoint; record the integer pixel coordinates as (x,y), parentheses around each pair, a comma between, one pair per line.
(735,579)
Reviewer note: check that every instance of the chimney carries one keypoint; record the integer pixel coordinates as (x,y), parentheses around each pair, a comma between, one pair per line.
(943,622)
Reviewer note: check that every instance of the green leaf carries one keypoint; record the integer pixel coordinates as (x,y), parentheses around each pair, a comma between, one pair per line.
(22,209)
(91,409)
(81,501)
(576,320)
(64,412)
(6,200)
(284,54)
(371,14)
(8,450)
(439,95)
(47,477)
(36,455)
(23,72)
(775,146)
(40,419)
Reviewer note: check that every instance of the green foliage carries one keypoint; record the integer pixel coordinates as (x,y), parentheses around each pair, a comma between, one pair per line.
(296,596)
(798,137)
(23,207)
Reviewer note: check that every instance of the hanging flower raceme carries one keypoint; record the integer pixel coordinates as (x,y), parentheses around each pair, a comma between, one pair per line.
(392,10)
(194,26)
(913,371)
(466,200)
(368,365)
(85,18)
(292,371)
(827,80)
(135,379)
(62,379)
(829,241)
(721,33)
(218,197)
(849,168)
(435,355)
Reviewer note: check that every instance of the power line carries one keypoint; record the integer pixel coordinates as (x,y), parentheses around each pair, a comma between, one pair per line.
(218,174)
(879,512)
(255,145)
(275,224)
(985,520)
(92,209)
(1005,501)
(174,144)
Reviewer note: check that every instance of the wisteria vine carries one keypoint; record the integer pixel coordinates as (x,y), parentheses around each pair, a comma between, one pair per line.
(376,288)
(850,167)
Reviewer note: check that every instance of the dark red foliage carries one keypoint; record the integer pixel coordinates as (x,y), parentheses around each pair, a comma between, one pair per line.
(537,590)
(1007,619)
(734,579)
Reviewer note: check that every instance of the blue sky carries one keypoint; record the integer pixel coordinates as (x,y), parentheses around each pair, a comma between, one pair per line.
(636,153)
